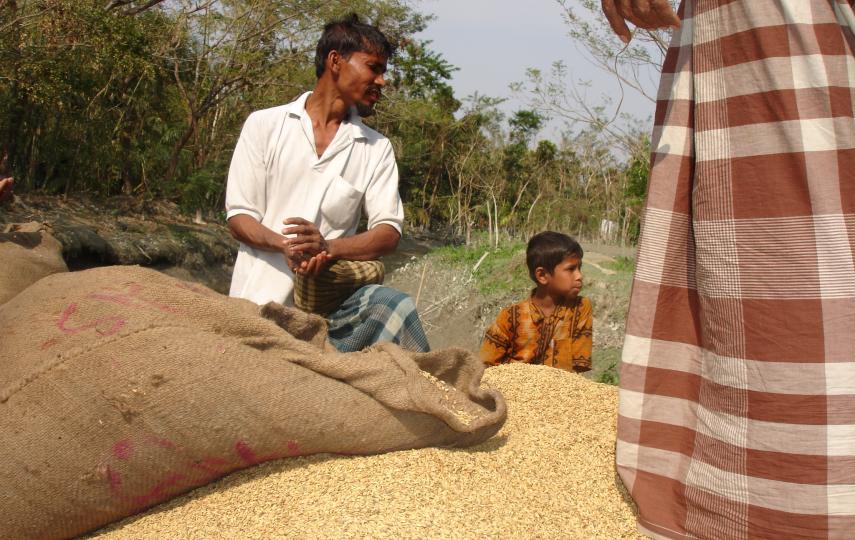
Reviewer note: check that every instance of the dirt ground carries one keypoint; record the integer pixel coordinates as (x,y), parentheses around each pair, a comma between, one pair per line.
(449,306)
(125,230)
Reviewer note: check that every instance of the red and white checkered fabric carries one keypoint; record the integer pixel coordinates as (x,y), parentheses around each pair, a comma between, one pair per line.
(737,400)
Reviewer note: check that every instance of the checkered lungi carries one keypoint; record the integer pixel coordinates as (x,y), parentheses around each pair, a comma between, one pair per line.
(737,400)
(376,313)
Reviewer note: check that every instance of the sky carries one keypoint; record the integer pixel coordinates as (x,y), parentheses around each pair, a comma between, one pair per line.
(494,41)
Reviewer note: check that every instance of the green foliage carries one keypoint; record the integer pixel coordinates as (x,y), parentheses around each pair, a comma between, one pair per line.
(501,272)
(609,375)
(637,173)
(545,153)
(419,72)
(202,188)
(525,125)
(149,102)
(461,255)
(623,264)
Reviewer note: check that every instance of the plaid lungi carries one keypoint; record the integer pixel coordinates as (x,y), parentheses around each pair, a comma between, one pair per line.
(377,313)
(737,400)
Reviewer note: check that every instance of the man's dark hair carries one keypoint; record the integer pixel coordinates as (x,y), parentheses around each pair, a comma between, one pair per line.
(348,36)
(547,249)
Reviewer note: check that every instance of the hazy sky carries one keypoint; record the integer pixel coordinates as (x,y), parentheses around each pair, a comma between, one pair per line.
(494,41)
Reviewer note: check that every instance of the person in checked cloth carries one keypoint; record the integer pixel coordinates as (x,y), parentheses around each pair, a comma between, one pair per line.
(554,325)
(312,165)
(737,383)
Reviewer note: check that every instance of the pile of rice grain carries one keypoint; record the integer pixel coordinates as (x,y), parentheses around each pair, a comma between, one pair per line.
(549,473)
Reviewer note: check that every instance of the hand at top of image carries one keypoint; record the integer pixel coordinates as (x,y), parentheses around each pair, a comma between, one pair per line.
(647,14)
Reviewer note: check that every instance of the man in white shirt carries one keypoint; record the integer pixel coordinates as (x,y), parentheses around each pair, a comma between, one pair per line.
(311,165)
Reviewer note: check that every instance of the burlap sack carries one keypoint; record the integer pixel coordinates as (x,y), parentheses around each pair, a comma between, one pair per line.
(27,254)
(121,387)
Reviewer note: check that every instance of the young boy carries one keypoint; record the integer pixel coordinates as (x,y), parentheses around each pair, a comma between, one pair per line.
(553,326)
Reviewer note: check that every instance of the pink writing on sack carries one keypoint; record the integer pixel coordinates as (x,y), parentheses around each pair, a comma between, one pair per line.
(193,472)
(110,324)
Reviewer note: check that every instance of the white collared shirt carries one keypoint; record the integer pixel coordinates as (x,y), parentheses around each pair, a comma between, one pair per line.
(275,174)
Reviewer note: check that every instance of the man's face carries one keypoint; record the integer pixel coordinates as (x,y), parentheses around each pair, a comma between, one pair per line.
(360,79)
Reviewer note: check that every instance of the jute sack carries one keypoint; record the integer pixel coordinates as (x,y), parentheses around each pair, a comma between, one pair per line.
(121,387)
(27,254)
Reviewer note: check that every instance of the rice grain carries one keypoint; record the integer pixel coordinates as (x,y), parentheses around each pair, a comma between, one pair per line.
(549,473)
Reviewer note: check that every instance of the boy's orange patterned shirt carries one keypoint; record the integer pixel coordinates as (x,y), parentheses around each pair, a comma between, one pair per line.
(522,334)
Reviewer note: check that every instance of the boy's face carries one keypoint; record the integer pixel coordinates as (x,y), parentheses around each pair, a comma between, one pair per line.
(565,280)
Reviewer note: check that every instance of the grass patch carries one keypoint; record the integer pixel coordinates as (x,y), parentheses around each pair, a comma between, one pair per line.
(604,365)
(501,272)
(623,264)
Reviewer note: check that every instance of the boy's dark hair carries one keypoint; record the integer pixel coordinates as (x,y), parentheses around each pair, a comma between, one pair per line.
(348,36)
(547,249)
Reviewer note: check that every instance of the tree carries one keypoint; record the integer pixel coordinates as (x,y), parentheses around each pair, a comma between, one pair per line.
(148,96)
(78,81)
(610,146)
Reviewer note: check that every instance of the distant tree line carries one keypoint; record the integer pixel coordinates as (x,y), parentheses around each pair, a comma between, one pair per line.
(146,98)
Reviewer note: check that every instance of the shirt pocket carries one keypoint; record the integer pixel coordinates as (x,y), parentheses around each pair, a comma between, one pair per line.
(341,203)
